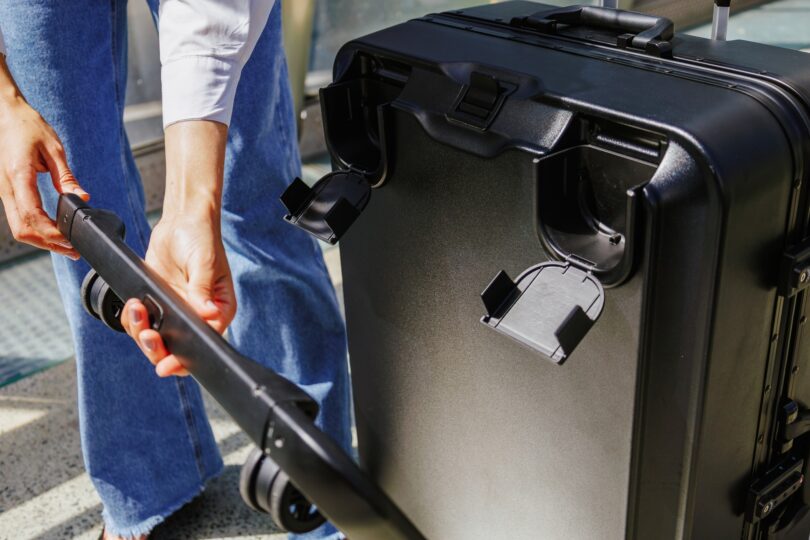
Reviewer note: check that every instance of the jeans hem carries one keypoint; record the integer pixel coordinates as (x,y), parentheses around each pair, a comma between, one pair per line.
(147,526)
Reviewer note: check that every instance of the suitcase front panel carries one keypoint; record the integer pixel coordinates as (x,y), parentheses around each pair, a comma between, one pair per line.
(440,397)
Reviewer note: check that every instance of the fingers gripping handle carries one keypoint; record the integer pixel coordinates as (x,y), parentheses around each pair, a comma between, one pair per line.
(247,391)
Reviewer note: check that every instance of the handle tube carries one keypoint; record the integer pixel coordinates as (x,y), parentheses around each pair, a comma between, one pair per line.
(276,414)
(246,391)
(720,18)
(647,29)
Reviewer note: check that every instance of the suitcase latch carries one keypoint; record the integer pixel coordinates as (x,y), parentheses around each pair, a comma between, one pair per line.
(794,274)
(774,488)
(795,424)
(549,308)
(479,101)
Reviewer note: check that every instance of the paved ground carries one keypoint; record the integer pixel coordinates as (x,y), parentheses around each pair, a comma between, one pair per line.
(45,493)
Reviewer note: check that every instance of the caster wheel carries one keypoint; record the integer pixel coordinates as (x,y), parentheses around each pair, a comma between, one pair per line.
(101,302)
(266,488)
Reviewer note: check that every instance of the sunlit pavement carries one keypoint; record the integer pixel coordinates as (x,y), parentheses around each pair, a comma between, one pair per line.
(45,493)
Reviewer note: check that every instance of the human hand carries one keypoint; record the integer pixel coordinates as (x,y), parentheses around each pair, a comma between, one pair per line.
(186,247)
(28,145)
(188,253)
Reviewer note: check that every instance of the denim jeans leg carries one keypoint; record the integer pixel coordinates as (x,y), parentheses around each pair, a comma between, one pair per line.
(288,317)
(146,442)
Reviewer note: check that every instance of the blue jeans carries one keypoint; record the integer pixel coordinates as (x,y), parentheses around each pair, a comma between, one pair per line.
(147,444)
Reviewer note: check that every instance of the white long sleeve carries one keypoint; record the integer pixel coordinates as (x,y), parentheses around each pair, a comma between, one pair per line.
(204,44)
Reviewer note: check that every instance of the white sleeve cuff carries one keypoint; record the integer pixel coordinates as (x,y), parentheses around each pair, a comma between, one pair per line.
(199,88)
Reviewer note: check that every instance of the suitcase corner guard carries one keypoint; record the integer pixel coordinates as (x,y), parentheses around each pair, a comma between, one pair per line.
(549,308)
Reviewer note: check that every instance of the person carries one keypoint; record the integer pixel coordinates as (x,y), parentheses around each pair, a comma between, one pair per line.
(230,151)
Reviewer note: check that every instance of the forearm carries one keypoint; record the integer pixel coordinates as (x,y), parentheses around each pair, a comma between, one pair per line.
(195,158)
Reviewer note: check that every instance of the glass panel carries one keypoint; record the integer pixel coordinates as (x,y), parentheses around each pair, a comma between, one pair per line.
(785,23)
(338,21)
(142,114)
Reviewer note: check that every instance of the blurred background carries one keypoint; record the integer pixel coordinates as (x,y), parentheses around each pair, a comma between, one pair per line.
(43,490)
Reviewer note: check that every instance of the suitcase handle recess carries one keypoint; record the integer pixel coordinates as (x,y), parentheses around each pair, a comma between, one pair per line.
(644,32)
(276,414)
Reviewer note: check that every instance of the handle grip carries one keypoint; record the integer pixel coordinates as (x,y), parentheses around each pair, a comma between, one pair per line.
(276,414)
(641,31)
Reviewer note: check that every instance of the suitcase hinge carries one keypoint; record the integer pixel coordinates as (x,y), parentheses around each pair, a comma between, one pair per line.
(774,488)
(794,274)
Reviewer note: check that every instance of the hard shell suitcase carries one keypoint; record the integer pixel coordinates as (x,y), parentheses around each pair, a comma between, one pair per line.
(633,205)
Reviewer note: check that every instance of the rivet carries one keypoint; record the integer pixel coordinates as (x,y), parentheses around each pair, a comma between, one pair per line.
(803,276)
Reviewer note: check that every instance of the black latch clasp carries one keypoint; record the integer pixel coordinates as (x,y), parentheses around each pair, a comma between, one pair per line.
(794,274)
(480,101)
(773,489)
(795,424)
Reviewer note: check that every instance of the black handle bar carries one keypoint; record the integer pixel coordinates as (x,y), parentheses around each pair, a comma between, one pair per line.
(276,414)
(649,32)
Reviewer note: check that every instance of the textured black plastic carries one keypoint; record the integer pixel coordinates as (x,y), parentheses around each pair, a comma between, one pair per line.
(549,308)
(667,409)
(328,209)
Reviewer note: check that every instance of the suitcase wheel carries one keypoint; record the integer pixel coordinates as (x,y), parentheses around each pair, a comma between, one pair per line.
(266,488)
(101,302)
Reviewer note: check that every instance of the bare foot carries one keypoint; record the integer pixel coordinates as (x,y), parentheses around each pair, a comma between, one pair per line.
(108,536)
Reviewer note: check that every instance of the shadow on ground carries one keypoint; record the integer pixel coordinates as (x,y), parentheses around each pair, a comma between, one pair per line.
(46,495)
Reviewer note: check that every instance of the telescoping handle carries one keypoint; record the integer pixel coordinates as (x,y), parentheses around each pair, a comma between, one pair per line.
(639,31)
(276,414)
(720,19)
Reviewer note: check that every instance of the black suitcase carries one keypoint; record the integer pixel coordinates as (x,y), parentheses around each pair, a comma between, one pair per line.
(633,205)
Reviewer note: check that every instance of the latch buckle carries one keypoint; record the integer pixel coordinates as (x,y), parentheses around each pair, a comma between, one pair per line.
(794,274)
(774,488)
(795,424)
(480,101)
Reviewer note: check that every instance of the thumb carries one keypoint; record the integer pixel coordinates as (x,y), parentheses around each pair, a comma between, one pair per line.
(61,175)
(200,293)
